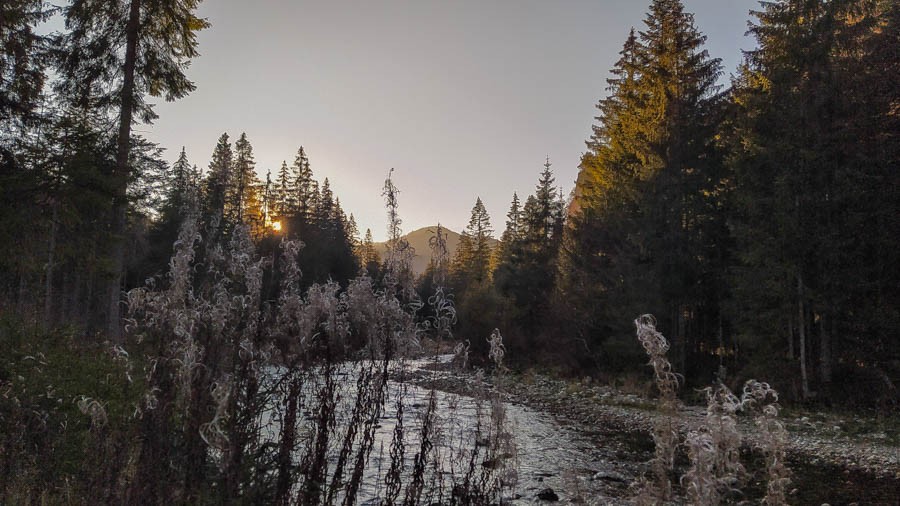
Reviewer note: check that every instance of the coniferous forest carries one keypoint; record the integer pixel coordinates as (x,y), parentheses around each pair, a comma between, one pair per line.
(210,331)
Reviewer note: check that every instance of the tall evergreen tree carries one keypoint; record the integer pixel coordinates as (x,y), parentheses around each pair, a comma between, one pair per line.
(116,53)
(324,213)
(645,198)
(243,200)
(514,227)
(526,268)
(219,179)
(23,59)
(471,263)
(286,191)
(369,258)
(305,186)
(351,231)
(181,180)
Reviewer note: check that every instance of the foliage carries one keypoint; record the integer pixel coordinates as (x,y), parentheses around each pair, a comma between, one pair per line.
(51,447)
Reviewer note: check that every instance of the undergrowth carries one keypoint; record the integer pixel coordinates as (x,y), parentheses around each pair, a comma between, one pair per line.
(225,395)
(715,474)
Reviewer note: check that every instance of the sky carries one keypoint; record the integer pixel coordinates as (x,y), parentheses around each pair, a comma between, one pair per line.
(462,98)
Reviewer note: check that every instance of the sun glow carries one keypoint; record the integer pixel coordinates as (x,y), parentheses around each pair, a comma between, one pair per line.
(276,226)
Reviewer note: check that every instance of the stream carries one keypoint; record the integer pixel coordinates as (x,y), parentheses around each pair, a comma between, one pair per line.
(520,454)
(544,456)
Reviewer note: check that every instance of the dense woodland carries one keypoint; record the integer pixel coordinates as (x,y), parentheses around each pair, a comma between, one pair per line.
(758,220)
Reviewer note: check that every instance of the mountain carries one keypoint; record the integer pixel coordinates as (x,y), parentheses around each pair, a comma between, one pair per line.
(418,239)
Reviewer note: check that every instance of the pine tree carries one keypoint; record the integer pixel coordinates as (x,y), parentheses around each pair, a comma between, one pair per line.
(181,180)
(471,263)
(218,181)
(646,201)
(23,60)
(324,213)
(305,187)
(370,261)
(112,61)
(285,192)
(513,229)
(242,191)
(351,231)
(526,264)
(541,215)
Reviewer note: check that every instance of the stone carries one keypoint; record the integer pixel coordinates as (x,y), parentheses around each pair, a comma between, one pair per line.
(548,495)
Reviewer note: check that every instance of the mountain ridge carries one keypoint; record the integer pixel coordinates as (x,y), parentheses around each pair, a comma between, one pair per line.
(419,238)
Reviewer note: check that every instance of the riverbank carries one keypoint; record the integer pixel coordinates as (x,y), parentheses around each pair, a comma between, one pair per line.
(832,460)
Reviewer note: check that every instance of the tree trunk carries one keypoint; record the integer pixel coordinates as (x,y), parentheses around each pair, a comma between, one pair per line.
(790,337)
(51,252)
(801,328)
(682,339)
(121,173)
(825,349)
(21,294)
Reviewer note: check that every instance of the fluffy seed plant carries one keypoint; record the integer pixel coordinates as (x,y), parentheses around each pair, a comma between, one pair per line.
(762,400)
(501,455)
(203,328)
(665,430)
(716,472)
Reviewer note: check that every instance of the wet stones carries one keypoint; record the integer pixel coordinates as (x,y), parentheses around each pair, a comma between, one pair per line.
(548,495)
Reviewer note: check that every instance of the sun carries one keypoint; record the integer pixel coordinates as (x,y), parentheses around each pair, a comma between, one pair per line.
(276,226)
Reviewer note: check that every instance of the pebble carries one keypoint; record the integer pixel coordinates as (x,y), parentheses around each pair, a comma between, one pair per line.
(548,495)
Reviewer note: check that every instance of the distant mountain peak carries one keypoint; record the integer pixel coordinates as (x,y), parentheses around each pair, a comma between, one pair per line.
(419,239)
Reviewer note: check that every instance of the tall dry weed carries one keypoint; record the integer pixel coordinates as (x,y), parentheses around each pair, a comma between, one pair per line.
(665,429)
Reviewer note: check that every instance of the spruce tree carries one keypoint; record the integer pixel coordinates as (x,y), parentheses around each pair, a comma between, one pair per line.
(242,190)
(645,202)
(513,221)
(324,213)
(23,60)
(304,187)
(111,61)
(526,265)
(471,263)
(369,258)
(218,182)
(285,192)
(811,193)
(181,180)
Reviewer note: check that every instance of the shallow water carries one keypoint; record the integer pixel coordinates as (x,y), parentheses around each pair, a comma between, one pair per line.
(526,454)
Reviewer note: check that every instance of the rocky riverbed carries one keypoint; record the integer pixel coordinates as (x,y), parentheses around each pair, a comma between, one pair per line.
(830,465)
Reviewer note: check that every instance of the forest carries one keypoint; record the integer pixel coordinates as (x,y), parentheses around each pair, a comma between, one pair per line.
(155,318)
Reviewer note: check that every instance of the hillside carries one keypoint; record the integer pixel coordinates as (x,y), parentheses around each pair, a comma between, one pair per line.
(418,239)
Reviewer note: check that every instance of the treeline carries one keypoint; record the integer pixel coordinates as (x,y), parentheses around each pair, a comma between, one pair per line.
(87,216)
(293,204)
(758,222)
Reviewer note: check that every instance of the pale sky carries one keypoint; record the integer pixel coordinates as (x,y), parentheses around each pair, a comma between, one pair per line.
(463,98)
